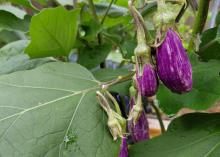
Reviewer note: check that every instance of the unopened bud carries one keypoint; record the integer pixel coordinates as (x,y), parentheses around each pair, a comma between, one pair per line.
(114,127)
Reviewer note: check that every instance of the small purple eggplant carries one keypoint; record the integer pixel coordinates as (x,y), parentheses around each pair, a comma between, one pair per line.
(147,83)
(123,148)
(140,130)
(173,65)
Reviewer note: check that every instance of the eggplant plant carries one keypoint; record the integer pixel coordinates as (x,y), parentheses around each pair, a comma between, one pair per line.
(81,78)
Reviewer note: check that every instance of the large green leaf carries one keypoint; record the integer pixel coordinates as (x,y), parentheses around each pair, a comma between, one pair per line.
(205,92)
(53,32)
(105,75)
(52,111)
(12,58)
(193,135)
(91,57)
(209,48)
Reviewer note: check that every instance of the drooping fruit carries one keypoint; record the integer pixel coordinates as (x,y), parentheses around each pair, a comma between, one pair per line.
(173,65)
(140,130)
(123,148)
(147,83)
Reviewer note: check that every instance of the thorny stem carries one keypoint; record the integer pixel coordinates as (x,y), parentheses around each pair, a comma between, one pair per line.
(106,13)
(200,21)
(154,105)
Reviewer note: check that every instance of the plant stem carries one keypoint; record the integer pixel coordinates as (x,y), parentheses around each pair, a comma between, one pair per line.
(120,79)
(153,104)
(106,13)
(200,21)
(92,8)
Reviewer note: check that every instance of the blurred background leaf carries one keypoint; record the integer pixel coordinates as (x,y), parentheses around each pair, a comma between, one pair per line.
(91,57)
(53,32)
(13,58)
(210,44)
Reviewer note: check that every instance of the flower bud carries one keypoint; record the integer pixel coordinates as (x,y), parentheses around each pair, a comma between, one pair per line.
(147,83)
(173,65)
(140,130)
(123,148)
(114,126)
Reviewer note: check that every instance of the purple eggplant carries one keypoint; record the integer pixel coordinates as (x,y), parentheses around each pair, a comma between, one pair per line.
(173,65)
(123,148)
(147,83)
(140,130)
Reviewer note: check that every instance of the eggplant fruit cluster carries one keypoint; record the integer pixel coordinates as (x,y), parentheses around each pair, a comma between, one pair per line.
(172,67)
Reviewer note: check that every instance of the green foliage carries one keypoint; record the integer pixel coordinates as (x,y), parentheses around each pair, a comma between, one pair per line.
(218,19)
(25,3)
(115,11)
(53,111)
(92,57)
(65,2)
(205,92)
(12,58)
(11,22)
(13,10)
(192,135)
(9,36)
(209,48)
(105,75)
(53,33)
(50,109)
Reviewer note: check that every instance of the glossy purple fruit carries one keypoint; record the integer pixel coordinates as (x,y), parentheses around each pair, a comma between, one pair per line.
(173,65)
(123,148)
(147,83)
(139,131)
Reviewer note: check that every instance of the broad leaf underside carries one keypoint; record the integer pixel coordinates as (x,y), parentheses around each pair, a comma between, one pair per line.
(52,111)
